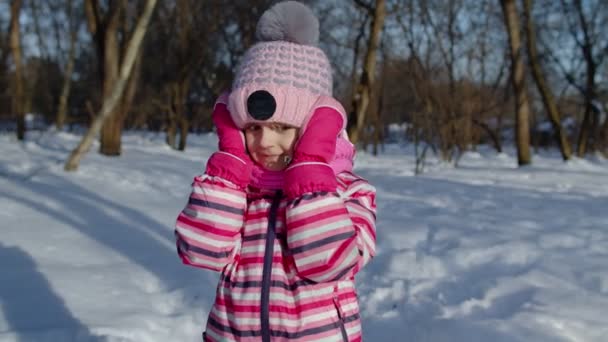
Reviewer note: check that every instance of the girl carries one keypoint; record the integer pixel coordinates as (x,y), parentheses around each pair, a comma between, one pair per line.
(278,210)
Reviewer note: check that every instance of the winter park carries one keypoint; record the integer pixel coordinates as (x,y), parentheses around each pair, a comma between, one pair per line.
(339,170)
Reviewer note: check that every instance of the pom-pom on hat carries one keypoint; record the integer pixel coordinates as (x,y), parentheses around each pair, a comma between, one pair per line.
(280,78)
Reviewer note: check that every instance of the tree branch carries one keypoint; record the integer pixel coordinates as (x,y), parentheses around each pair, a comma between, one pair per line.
(364,5)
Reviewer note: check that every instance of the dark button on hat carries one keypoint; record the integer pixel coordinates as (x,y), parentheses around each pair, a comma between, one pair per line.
(261,105)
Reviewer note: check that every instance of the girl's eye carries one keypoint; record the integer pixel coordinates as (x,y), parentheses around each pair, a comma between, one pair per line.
(253,128)
(281,128)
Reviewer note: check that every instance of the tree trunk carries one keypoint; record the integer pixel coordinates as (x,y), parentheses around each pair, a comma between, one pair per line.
(109,55)
(518,79)
(177,117)
(588,128)
(67,77)
(369,68)
(183,89)
(352,117)
(377,126)
(184,127)
(110,142)
(112,128)
(110,102)
(583,134)
(171,128)
(378,122)
(541,84)
(65,91)
(604,133)
(173,113)
(18,98)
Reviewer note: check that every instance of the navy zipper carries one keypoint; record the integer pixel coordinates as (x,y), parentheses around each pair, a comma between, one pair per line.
(340,319)
(267,270)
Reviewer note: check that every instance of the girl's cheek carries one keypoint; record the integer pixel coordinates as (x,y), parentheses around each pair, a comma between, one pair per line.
(248,141)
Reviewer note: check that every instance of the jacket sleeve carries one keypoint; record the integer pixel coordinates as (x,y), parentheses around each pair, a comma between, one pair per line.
(332,236)
(208,230)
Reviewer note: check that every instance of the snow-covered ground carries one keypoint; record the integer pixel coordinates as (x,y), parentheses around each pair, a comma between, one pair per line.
(482,252)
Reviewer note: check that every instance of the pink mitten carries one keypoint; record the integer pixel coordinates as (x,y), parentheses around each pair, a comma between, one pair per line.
(231,162)
(310,170)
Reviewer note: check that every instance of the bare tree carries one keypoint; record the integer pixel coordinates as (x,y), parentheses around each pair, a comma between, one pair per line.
(109,30)
(593,57)
(441,25)
(111,101)
(518,79)
(355,61)
(541,84)
(414,84)
(486,68)
(366,83)
(18,98)
(5,82)
(188,25)
(585,25)
(73,26)
(378,122)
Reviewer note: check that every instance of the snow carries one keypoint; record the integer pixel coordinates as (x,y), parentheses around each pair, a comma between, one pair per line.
(485,251)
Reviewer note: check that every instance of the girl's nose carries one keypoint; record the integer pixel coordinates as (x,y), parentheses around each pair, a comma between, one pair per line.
(267,137)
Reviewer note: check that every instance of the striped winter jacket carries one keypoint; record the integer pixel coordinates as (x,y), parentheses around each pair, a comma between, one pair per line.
(287,267)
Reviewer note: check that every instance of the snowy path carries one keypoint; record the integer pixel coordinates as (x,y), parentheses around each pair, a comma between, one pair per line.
(482,252)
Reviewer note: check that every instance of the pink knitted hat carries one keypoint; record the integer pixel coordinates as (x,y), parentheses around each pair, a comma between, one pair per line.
(281,77)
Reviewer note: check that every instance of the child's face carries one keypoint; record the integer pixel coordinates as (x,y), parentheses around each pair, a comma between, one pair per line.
(270,144)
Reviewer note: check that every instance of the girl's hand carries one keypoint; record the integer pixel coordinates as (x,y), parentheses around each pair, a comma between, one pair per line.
(318,140)
(310,170)
(231,139)
(231,162)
